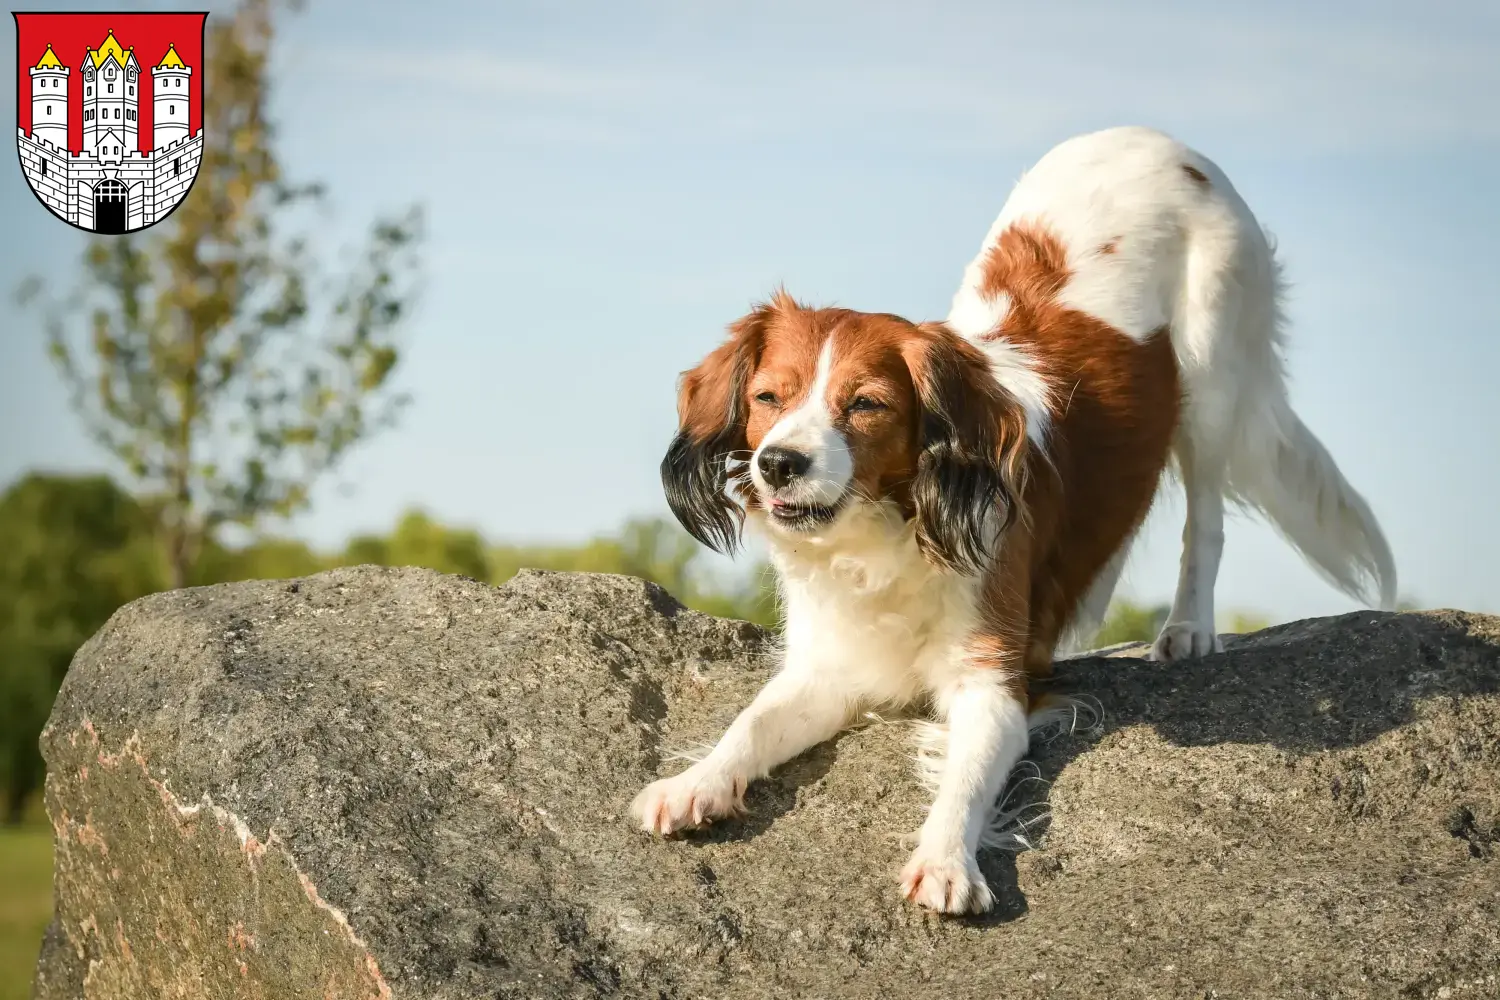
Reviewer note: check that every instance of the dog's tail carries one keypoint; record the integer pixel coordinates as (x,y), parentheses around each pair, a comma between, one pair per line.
(1279,468)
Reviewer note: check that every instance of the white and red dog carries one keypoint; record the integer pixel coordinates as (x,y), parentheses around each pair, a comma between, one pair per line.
(943,501)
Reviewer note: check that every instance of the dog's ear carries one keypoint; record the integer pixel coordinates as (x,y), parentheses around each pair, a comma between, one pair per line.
(972,457)
(711,416)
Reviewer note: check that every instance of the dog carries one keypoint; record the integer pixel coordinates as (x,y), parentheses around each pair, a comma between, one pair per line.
(945,503)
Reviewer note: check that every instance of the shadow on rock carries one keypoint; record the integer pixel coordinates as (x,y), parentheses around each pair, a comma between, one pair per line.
(770,798)
(1321,684)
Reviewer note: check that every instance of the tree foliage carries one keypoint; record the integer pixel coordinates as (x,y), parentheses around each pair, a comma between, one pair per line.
(420,541)
(214,356)
(72,550)
(1131,622)
(1246,621)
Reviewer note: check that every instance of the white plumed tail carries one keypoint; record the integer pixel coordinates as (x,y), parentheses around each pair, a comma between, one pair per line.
(1281,469)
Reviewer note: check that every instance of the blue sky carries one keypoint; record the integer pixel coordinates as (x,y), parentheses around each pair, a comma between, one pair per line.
(608,185)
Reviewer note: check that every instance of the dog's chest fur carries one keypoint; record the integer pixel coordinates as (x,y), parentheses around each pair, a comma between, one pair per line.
(862,601)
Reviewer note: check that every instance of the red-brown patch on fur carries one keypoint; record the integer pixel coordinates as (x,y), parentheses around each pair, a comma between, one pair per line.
(1003,640)
(709,394)
(1113,246)
(1195,174)
(1115,413)
(869,361)
(793,339)
(712,405)
(1028,264)
(973,397)
(122,942)
(239,938)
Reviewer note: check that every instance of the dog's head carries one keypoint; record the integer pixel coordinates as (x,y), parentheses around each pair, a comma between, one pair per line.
(805,413)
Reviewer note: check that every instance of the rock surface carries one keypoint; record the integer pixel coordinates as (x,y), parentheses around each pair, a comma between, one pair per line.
(392,783)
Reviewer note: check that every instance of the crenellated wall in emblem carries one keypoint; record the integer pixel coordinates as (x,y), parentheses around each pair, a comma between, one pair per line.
(155,182)
(176,166)
(51,182)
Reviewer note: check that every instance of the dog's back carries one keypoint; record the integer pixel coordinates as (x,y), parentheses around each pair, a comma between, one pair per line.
(1140,217)
(1128,237)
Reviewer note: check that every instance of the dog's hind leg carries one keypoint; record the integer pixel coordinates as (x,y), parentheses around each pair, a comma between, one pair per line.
(1190,630)
(1223,339)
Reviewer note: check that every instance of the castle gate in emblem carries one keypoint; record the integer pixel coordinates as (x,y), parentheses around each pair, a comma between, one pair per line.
(109,184)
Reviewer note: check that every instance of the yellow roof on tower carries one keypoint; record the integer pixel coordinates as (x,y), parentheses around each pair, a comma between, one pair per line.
(49,60)
(111,49)
(171,60)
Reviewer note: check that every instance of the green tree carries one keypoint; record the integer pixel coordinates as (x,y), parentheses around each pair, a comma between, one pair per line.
(263,559)
(659,550)
(72,550)
(1247,621)
(1131,622)
(213,356)
(654,549)
(420,541)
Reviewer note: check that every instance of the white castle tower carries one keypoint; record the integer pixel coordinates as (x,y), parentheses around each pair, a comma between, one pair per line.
(49,100)
(111,78)
(169,118)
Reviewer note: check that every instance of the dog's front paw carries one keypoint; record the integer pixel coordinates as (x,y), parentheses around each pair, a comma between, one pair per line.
(948,882)
(1184,641)
(697,796)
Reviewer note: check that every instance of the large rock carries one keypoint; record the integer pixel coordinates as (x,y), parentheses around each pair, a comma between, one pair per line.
(376,783)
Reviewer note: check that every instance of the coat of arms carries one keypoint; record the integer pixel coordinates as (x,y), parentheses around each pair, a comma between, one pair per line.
(109,114)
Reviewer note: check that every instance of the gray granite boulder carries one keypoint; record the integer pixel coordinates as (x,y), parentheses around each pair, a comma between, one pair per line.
(393,783)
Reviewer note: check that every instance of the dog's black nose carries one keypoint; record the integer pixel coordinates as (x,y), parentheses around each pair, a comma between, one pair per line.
(780,466)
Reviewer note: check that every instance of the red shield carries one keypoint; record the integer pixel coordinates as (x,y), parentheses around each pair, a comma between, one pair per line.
(109,114)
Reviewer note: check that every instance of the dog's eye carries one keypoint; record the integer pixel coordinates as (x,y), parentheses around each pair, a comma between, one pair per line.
(865,403)
(768,397)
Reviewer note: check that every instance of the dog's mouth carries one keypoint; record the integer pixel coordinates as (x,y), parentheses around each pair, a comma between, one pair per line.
(800,515)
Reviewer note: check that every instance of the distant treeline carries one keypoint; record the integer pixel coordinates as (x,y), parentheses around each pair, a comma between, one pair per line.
(73,549)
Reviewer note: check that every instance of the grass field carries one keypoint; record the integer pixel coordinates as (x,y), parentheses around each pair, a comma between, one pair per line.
(25,904)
